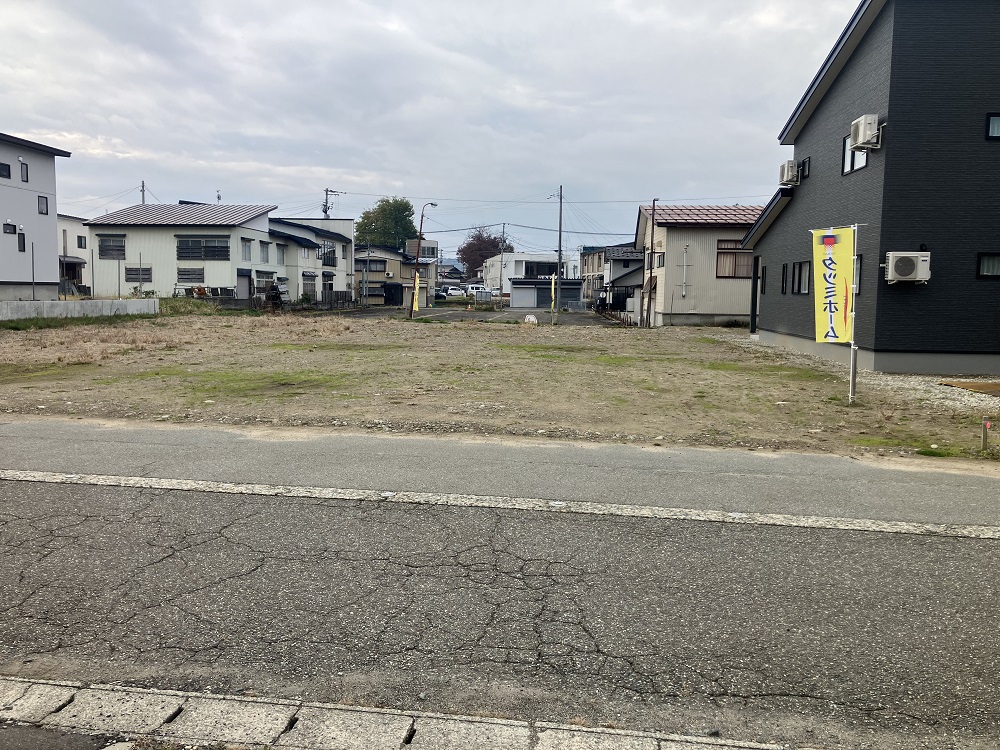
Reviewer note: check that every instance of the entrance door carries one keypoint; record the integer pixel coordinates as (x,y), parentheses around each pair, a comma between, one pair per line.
(243,287)
(543,295)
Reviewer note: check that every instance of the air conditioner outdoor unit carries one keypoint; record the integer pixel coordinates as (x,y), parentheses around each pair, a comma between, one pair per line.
(388,274)
(907,267)
(789,173)
(864,133)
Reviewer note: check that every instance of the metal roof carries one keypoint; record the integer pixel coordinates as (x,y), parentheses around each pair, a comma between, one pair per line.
(713,216)
(302,241)
(15,141)
(849,40)
(320,232)
(189,214)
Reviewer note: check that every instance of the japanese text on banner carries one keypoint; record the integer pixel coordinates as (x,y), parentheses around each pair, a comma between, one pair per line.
(833,274)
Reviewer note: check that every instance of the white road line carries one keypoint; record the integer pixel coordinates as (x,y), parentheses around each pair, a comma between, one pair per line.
(513,503)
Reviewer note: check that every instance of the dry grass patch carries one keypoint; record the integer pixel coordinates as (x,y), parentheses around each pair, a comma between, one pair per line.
(692,386)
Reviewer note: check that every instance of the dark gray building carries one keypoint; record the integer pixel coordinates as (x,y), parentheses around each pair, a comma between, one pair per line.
(922,182)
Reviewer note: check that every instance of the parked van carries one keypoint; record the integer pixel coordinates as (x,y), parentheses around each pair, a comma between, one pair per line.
(472,289)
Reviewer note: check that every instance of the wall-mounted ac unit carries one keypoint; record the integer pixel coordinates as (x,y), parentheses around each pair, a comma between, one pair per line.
(388,274)
(789,173)
(907,267)
(865,133)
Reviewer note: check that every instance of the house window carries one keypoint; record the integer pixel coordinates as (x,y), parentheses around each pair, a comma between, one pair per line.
(111,248)
(857,275)
(784,278)
(246,250)
(281,254)
(139,275)
(190,275)
(81,241)
(329,253)
(21,244)
(24,171)
(853,160)
(800,277)
(265,252)
(343,252)
(625,263)
(43,205)
(988,266)
(264,281)
(374,264)
(661,260)
(10,228)
(5,171)
(305,253)
(992,129)
(733,264)
(202,248)
(309,287)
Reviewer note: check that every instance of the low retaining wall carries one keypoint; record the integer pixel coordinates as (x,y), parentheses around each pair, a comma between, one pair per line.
(89,308)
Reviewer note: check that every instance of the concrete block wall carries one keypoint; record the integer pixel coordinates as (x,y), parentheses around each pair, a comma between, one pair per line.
(78,309)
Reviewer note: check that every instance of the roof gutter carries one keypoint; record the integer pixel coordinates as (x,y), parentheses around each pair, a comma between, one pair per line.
(771,212)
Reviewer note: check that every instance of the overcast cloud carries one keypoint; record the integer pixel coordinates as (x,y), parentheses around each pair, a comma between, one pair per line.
(270,102)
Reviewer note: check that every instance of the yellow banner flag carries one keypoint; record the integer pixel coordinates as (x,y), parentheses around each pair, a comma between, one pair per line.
(416,291)
(833,274)
(552,306)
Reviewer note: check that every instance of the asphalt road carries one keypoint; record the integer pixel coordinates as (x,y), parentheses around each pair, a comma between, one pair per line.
(823,638)
(737,481)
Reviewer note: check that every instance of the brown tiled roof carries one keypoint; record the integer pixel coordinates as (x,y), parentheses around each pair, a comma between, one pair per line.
(185,214)
(714,216)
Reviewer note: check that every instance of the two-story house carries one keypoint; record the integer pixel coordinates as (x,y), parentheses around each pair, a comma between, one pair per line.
(29,250)
(898,134)
(219,250)
(694,270)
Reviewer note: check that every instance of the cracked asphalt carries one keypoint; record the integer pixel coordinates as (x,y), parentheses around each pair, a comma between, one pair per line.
(815,637)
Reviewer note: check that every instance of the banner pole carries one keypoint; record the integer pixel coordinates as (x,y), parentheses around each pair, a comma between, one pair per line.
(852,395)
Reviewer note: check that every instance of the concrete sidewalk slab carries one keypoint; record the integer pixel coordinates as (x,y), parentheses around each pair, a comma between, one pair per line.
(447,734)
(204,719)
(116,711)
(338,729)
(572,739)
(227,720)
(30,703)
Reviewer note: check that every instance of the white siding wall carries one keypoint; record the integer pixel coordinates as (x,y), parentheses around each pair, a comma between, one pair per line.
(19,206)
(703,294)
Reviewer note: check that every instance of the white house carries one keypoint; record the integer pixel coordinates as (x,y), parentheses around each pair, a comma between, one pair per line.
(224,250)
(29,262)
(500,269)
(694,270)
(75,252)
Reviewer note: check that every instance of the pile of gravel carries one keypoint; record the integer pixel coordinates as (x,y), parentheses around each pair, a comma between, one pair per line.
(927,389)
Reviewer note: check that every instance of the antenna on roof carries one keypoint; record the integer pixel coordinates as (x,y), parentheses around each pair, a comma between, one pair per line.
(218,196)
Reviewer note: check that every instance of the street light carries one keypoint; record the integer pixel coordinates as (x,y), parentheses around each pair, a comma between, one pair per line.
(416,265)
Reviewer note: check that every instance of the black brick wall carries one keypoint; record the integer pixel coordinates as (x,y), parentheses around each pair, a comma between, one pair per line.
(828,197)
(942,177)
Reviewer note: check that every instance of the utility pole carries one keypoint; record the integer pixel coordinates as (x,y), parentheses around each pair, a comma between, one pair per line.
(142,191)
(327,192)
(503,242)
(559,260)
(652,256)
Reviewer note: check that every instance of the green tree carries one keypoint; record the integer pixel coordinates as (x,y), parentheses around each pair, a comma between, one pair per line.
(388,222)
(479,246)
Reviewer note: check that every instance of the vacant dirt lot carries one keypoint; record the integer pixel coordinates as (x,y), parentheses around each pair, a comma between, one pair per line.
(691,386)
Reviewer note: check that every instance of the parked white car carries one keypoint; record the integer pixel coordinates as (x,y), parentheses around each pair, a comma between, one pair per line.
(471,289)
(454,291)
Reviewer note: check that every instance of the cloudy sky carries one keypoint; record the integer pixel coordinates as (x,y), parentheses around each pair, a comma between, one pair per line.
(485,108)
